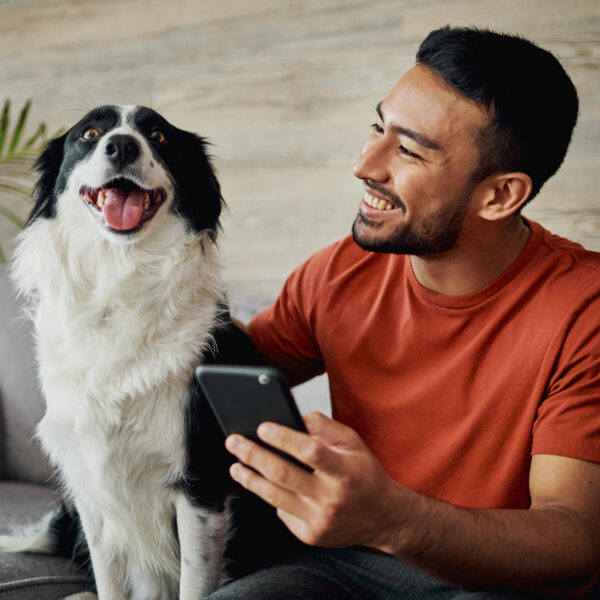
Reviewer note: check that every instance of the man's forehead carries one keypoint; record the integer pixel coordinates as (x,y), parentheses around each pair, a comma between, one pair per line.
(423,102)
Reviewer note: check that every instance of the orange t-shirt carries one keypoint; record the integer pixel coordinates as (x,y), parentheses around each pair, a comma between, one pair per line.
(453,394)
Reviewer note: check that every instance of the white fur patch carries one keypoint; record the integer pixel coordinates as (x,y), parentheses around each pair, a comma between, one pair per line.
(32,538)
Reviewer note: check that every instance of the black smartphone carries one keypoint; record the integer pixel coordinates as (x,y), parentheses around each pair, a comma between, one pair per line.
(244,397)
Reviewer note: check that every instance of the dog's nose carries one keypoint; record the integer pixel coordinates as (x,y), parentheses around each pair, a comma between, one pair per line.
(122,150)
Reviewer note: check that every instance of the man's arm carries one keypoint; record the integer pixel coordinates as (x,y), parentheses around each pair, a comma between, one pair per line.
(349,500)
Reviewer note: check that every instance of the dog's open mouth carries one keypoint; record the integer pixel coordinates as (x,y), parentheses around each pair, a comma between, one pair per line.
(124,205)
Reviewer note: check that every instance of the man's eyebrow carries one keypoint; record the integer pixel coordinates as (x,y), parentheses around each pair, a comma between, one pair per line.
(420,138)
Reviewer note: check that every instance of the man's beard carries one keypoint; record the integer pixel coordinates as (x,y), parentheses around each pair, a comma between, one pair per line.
(435,234)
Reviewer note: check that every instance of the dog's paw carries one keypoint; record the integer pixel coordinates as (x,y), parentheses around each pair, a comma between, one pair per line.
(81,596)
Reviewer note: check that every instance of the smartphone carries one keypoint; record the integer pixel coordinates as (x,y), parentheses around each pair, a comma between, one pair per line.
(244,397)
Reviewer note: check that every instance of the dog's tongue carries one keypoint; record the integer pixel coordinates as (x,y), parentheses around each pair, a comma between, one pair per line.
(122,209)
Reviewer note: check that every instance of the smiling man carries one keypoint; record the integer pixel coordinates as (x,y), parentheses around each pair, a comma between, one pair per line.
(462,344)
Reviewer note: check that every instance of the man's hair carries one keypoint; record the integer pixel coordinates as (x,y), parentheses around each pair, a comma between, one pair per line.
(531,100)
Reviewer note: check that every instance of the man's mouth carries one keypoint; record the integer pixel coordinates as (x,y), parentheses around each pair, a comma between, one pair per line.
(123,205)
(378,203)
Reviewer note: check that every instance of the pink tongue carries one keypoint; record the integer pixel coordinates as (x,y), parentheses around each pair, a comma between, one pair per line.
(123,210)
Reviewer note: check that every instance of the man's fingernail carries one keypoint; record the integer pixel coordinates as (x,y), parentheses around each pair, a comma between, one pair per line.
(265,430)
(235,471)
(232,443)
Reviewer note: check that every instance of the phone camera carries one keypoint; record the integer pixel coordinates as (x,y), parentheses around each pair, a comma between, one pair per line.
(264,379)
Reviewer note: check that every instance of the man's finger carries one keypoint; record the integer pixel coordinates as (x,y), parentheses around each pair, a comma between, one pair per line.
(330,432)
(305,448)
(271,493)
(273,467)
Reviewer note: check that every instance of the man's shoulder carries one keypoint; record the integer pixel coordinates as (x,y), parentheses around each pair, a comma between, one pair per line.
(563,272)
(575,268)
(566,250)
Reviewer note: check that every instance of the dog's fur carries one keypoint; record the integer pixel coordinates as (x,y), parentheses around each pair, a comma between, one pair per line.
(126,301)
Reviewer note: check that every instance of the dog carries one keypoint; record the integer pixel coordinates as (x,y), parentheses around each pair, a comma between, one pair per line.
(119,267)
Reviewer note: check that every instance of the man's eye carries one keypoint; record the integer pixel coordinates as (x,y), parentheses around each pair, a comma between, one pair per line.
(407,152)
(158,136)
(376,127)
(90,133)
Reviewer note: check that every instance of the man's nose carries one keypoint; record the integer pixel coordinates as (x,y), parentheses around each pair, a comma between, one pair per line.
(372,161)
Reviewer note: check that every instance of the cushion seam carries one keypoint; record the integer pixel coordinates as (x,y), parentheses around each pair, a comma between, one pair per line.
(52,579)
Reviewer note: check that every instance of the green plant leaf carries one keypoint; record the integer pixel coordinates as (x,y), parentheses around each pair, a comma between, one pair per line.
(11,216)
(18,130)
(15,188)
(4,118)
(17,159)
(39,135)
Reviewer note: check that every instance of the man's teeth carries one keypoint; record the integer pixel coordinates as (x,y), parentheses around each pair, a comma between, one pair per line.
(376,203)
(101,198)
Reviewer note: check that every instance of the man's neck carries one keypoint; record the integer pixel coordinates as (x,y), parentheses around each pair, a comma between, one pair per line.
(468,268)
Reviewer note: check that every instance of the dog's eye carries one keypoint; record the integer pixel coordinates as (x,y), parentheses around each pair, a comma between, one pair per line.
(158,136)
(90,133)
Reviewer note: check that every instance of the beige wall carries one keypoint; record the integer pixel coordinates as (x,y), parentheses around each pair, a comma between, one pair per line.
(286,91)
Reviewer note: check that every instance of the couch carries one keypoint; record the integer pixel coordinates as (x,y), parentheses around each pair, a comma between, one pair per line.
(26,490)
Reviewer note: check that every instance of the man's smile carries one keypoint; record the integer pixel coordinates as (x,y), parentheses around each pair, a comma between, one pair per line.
(377,203)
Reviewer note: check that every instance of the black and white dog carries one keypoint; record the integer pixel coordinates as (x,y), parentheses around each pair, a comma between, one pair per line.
(119,267)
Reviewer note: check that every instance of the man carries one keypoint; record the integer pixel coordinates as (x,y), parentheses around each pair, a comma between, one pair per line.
(462,344)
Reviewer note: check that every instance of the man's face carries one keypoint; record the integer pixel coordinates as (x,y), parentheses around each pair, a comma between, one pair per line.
(416,168)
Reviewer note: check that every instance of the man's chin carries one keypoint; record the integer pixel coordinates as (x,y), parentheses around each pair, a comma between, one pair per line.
(402,241)
(365,234)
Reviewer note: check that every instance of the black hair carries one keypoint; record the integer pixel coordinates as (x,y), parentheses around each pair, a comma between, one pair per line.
(531,100)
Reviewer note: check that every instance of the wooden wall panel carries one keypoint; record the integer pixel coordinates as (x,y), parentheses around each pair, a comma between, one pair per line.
(286,92)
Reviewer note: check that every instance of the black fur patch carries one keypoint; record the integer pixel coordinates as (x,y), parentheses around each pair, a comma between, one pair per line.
(68,539)
(207,482)
(260,537)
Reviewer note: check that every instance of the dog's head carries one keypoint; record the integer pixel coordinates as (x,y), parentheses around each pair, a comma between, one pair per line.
(126,167)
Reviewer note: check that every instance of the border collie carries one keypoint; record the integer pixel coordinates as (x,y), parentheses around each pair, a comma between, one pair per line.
(119,268)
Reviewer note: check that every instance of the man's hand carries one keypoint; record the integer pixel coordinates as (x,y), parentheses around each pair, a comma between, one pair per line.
(348,499)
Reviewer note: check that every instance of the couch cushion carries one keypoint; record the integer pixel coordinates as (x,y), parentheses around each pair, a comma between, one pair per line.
(33,576)
(21,404)
(23,503)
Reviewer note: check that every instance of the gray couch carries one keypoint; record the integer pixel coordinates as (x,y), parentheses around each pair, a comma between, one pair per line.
(26,492)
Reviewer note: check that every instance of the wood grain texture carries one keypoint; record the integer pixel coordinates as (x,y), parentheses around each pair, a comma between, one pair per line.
(286,91)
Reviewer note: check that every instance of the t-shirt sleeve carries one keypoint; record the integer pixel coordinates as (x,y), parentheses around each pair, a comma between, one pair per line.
(568,420)
(285,332)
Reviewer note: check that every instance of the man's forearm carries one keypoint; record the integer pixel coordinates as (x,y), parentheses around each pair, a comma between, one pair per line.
(533,550)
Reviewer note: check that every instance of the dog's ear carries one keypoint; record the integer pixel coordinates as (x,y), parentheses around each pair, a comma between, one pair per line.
(44,192)
(198,193)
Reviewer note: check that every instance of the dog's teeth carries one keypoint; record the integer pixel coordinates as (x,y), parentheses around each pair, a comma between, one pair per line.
(101,198)
(146,201)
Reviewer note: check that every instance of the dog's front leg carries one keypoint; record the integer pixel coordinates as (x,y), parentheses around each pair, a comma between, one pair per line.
(109,572)
(202,538)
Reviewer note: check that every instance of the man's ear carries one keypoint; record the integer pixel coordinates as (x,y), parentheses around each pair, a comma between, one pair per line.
(502,195)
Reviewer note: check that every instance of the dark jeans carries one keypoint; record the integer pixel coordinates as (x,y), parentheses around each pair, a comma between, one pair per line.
(343,574)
